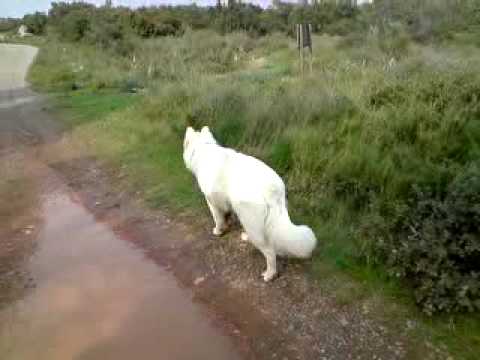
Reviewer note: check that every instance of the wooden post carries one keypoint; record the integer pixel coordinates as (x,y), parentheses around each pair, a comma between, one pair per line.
(304,39)
(301,48)
(311,49)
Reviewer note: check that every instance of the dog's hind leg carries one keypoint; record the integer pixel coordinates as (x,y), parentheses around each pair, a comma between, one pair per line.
(271,259)
(252,218)
(219,218)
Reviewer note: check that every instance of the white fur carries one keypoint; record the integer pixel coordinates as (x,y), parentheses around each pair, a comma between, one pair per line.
(232,181)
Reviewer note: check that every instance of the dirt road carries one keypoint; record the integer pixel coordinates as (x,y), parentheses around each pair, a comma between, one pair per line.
(78,290)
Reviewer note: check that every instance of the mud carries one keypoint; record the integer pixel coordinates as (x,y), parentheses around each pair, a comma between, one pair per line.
(96,297)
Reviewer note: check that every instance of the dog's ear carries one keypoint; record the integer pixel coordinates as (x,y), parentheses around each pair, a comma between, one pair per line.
(206,134)
(189,133)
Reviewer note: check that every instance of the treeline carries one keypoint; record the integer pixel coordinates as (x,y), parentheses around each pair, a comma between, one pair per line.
(7,25)
(107,26)
(75,19)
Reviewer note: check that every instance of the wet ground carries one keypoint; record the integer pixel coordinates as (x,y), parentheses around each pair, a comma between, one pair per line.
(87,293)
(97,297)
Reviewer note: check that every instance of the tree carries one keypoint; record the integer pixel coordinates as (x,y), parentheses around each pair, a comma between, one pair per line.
(36,23)
(9,24)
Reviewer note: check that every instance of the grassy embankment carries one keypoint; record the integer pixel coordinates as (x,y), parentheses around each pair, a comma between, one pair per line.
(350,141)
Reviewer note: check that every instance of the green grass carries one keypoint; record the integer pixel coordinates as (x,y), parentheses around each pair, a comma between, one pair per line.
(86,106)
(350,141)
(131,143)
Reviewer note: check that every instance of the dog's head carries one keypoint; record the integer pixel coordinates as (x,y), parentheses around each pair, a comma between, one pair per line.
(192,140)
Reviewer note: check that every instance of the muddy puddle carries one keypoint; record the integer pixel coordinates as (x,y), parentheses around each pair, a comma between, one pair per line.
(95,296)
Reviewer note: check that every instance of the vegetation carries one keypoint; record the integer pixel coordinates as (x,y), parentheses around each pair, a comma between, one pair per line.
(379,147)
(8,25)
(36,23)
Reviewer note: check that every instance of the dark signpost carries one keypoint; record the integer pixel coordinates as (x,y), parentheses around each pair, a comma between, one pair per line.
(304,40)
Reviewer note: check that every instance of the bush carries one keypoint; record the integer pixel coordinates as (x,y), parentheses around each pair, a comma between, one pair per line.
(74,26)
(8,25)
(437,245)
(150,27)
(109,33)
(36,23)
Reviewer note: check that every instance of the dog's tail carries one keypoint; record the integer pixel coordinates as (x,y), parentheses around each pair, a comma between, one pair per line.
(289,239)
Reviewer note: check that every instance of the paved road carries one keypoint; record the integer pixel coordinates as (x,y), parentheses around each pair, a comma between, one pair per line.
(14,63)
(22,120)
(91,295)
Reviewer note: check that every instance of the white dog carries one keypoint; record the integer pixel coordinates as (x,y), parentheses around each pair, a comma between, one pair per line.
(232,181)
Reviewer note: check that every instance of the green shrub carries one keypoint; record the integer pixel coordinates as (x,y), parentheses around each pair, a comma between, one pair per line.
(9,25)
(150,26)
(74,26)
(36,23)
(436,245)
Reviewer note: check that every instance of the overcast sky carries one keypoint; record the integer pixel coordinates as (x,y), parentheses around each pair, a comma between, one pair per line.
(18,8)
